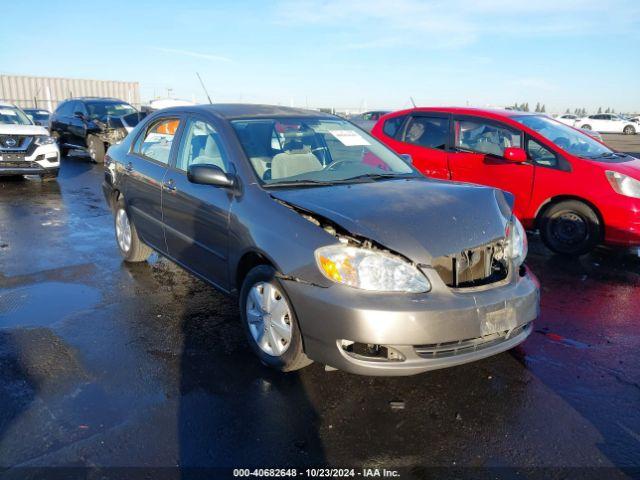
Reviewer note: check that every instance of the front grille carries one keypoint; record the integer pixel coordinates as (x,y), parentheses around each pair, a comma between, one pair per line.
(18,165)
(474,267)
(11,157)
(14,142)
(459,347)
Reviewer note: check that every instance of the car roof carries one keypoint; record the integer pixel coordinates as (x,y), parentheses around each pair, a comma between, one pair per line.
(97,99)
(237,111)
(485,112)
(7,105)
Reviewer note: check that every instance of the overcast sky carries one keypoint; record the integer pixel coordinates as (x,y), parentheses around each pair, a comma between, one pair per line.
(346,54)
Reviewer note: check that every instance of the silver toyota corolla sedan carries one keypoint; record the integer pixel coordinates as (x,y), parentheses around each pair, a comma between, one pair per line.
(338,250)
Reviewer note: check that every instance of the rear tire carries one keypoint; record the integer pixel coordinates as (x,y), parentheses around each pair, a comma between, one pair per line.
(586,127)
(570,228)
(131,247)
(96,149)
(280,348)
(629,130)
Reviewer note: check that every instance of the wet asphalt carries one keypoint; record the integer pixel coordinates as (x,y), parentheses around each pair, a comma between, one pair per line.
(105,364)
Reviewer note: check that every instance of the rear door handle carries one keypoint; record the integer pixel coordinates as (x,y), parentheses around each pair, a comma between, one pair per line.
(169,185)
(129,167)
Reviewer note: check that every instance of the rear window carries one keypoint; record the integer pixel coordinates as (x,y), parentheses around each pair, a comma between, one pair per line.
(430,132)
(156,142)
(392,126)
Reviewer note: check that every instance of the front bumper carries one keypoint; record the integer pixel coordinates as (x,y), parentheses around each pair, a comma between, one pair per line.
(439,329)
(621,221)
(44,159)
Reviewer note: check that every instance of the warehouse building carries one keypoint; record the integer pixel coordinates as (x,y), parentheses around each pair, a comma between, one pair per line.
(46,92)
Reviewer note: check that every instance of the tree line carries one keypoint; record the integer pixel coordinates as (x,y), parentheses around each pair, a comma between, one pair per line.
(540,108)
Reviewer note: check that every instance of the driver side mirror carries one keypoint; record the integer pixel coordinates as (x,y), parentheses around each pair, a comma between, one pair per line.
(79,115)
(515,155)
(206,174)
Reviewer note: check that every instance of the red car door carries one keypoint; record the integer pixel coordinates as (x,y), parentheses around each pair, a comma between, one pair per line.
(477,157)
(425,138)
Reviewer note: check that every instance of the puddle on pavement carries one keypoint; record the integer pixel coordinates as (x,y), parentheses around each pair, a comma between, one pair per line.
(44,303)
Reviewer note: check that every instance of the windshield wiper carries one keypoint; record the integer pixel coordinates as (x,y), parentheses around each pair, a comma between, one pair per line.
(298,183)
(376,176)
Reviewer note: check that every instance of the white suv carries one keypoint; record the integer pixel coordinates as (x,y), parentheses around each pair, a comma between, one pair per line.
(608,123)
(25,148)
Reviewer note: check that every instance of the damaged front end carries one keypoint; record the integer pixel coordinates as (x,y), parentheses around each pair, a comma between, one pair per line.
(484,265)
(111,131)
(487,265)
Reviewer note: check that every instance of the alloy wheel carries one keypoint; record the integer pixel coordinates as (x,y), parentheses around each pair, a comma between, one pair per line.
(123,230)
(269,318)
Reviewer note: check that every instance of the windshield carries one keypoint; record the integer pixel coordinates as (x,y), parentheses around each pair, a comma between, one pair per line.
(12,115)
(284,151)
(37,115)
(567,138)
(102,110)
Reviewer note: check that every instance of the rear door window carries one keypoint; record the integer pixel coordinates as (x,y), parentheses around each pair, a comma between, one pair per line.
(156,141)
(426,131)
(482,136)
(392,126)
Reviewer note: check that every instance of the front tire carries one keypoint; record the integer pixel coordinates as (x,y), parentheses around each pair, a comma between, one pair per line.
(63,150)
(50,175)
(131,247)
(586,127)
(96,149)
(270,322)
(629,130)
(570,228)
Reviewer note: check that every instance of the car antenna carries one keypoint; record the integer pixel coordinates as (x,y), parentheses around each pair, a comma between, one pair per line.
(204,88)
(414,103)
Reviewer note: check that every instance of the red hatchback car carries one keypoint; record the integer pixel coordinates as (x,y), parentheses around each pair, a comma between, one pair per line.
(575,190)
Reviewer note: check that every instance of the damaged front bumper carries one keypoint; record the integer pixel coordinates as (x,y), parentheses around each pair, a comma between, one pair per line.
(373,333)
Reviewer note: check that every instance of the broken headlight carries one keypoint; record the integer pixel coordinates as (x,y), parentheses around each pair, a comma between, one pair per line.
(370,269)
(517,245)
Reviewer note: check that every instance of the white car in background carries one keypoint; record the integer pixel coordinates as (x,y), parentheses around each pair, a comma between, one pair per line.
(25,148)
(568,119)
(608,123)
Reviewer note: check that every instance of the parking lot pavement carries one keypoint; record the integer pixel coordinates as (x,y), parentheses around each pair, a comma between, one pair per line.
(107,364)
(623,143)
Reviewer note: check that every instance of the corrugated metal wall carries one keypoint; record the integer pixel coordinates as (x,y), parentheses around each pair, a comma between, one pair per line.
(47,92)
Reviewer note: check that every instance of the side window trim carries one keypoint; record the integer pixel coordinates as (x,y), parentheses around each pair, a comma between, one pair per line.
(143,133)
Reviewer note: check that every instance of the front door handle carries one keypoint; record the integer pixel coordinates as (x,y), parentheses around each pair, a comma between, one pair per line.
(170,185)
(129,167)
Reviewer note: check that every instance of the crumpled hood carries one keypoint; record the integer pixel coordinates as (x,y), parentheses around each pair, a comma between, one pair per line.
(418,218)
(12,129)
